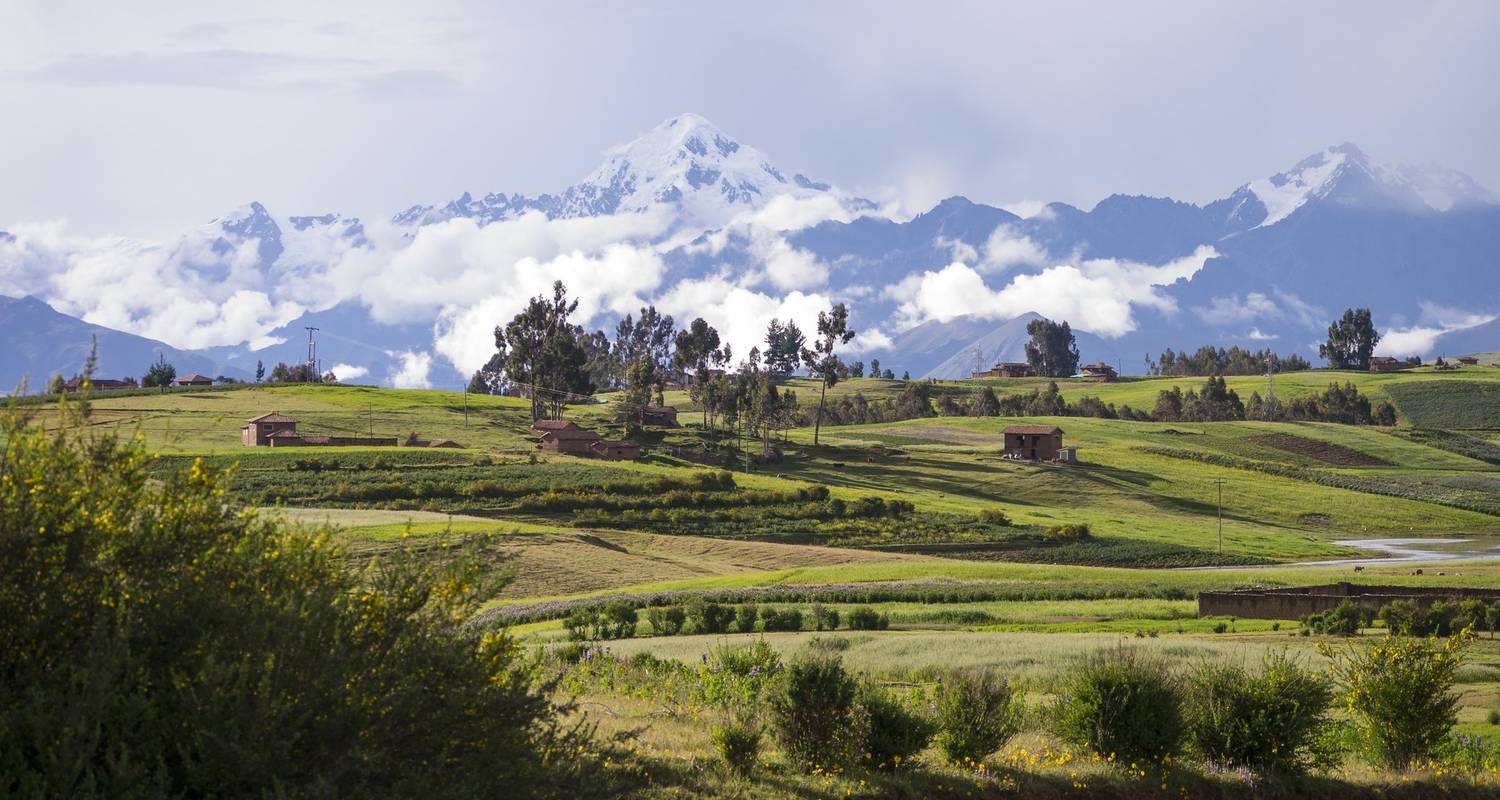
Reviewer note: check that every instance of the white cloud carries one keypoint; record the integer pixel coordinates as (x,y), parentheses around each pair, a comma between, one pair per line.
(1255,335)
(410,371)
(348,372)
(1097,295)
(188,293)
(614,281)
(740,314)
(1285,307)
(1422,339)
(790,268)
(870,340)
(1005,248)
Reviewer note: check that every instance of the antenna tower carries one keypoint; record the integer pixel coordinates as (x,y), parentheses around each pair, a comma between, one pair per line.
(312,350)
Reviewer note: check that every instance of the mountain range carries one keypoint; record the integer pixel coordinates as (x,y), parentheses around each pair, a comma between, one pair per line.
(690,218)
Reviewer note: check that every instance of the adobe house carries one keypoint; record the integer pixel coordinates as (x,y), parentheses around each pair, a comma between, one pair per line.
(1033,442)
(1007,369)
(615,450)
(561,436)
(1097,372)
(75,384)
(1387,364)
(258,430)
(1468,361)
(194,379)
(658,416)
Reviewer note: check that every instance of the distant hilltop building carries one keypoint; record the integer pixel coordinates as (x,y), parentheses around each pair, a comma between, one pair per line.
(194,379)
(1007,369)
(566,438)
(1387,364)
(75,384)
(1097,372)
(280,430)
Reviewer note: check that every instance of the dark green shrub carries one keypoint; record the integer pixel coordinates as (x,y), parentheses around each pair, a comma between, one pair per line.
(1443,619)
(583,623)
(824,618)
(812,712)
(621,618)
(1269,723)
(837,507)
(158,642)
(865,618)
(994,516)
(745,617)
(1345,619)
(666,621)
(1122,703)
(738,746)
(711,617)
(1399,692)
(896,734)
(1472,614)
(786,619)
(1067,533)
(978,712)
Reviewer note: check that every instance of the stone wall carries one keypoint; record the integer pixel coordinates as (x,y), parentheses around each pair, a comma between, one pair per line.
(1297,602)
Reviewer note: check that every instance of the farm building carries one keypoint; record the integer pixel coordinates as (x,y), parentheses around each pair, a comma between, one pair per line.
(1007,369)
(658,416)
(615,450)
(257,431)
(76,383)
(1034,442)
(1468,361)
(1387,364)
(561,436)
(1097,372)
(280,430)
(194,379)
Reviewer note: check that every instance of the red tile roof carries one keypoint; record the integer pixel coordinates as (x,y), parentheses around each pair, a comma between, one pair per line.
(271,417)
(552,425)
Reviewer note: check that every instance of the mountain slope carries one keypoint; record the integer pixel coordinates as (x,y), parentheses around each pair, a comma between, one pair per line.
(1007,342)
(41,342)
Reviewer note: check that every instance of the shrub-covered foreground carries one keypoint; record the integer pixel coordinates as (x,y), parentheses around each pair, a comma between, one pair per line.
(1120,724)
(160,642)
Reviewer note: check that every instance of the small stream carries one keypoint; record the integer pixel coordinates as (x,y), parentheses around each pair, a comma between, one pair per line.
(1393,551)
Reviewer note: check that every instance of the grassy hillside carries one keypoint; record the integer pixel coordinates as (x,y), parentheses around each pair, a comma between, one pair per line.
(1289,489)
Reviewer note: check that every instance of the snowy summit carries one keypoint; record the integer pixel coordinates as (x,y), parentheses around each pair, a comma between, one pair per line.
(685,162)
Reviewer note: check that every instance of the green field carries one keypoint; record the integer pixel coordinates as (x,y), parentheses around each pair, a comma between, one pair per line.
(948,576)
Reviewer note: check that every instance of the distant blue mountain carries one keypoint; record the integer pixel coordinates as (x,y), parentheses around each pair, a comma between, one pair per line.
(41,342)
(1336,230)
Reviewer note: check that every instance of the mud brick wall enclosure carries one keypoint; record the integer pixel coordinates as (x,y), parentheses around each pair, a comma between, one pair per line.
(1297,602)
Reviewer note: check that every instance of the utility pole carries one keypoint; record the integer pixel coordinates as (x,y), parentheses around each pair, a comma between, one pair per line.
(312,351)
(1219,482)
(1271,410)
(466,406)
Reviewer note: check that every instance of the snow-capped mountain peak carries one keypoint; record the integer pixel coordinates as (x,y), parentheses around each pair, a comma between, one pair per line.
(1344,175)
(686,162)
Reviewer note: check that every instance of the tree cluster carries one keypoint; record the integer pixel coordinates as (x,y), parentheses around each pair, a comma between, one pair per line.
(1351,340)
(1210,360)
(1052,351)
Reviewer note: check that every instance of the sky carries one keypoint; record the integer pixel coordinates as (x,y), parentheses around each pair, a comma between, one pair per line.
(143,118)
